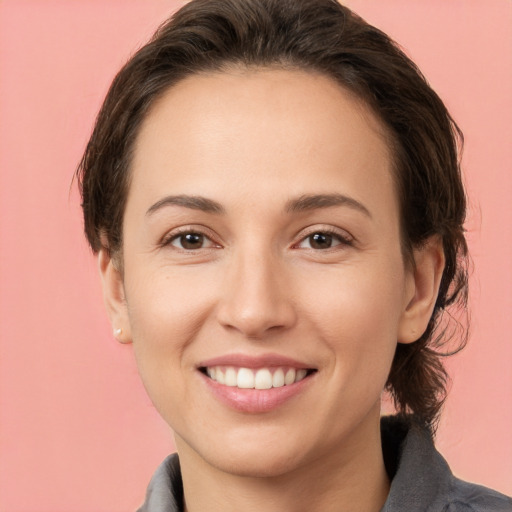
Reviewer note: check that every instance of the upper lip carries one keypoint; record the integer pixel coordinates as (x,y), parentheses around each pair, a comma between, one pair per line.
(260,361)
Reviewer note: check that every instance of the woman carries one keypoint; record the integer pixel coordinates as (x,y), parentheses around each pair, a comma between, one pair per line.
(274,195)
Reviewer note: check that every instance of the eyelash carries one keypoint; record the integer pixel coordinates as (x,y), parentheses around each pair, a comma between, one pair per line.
(188,230)
(344,240)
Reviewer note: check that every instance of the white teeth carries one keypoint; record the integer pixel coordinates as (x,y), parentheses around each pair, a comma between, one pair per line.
(289,378)
(262,378)
(230,377)
(245,378)
(300,374)
(278,378)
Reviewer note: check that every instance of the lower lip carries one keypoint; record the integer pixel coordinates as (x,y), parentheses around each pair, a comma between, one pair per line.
(255,401)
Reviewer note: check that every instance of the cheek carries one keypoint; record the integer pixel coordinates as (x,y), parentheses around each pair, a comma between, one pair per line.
(166,305)
(166,310)
(357,316)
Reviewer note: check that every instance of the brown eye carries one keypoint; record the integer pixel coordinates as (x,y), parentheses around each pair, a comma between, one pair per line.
(323,240)
(190,241)
(320,241)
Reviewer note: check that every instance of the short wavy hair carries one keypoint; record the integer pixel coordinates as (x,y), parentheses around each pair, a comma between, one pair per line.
(325,37)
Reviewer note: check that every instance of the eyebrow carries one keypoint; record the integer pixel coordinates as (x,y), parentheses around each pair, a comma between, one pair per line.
(193,202)
(301,204)
(317,201)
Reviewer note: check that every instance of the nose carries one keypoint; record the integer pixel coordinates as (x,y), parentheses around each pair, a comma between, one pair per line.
(257,298)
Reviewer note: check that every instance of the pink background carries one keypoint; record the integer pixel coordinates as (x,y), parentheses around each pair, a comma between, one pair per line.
(77,432)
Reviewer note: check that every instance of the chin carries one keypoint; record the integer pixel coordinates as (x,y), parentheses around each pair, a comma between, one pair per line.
(260,465)
(267,455)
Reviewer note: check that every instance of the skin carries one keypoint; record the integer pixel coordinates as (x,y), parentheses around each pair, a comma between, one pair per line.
(252,141)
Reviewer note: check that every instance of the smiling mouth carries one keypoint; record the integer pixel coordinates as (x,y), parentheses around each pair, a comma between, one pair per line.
(256,378)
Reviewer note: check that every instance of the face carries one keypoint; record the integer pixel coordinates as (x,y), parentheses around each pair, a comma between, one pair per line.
(263,283)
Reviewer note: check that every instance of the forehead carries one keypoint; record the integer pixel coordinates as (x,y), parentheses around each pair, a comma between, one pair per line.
(267,126)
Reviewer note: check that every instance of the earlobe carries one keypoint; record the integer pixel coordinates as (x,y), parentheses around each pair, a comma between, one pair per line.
(421,290)
(113,296)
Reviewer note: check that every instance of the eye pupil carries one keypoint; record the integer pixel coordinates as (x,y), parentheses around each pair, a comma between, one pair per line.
(320,241)
(191,240)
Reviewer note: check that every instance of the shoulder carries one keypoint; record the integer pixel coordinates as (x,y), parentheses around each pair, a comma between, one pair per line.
(421,478)
(468,497)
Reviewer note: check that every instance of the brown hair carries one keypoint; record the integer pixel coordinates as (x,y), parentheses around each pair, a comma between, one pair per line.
(320,36)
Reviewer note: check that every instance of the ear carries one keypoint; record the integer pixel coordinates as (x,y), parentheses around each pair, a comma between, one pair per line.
(422,287)
(113,296)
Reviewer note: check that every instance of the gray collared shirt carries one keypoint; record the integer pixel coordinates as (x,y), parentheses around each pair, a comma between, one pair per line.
(421,479)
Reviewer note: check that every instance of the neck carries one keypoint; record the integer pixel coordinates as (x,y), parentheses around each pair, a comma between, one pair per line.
(351,478)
